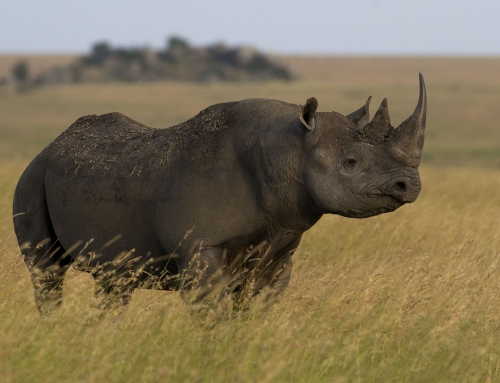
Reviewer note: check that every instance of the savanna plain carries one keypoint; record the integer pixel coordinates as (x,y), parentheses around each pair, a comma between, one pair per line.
(410,296)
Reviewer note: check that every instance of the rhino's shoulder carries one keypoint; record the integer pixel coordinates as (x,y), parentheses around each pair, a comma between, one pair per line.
(213,118)
(262,113)
(221,116)
(264,106)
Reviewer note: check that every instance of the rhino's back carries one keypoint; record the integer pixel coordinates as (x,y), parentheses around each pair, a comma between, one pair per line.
(115,142)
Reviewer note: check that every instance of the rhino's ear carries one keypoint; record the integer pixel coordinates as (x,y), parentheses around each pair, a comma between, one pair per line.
(361,117)
(306,113)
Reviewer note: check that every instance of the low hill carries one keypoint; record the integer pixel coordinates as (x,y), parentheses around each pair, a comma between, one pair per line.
(179,61)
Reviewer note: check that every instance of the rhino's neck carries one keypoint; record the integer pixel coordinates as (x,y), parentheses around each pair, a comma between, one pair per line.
(283,194)
(291,211)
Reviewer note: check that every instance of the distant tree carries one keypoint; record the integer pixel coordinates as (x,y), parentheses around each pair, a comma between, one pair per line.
(176,42)
(100,52)
(21,71)
(101,48)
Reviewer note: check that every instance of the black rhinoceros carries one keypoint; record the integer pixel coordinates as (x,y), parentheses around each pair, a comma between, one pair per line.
(239,181)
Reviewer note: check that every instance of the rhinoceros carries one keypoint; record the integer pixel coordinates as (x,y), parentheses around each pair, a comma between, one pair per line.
(238,183)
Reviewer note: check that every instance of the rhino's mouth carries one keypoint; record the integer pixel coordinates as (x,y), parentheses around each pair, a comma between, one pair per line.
(389,203)
(376,204)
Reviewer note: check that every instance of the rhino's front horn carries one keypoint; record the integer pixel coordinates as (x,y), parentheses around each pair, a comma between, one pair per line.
(407,141)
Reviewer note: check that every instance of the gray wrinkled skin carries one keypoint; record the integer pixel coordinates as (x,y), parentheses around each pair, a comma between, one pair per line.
(240,178)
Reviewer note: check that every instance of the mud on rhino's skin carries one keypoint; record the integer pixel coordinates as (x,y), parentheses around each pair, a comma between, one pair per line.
(253,174)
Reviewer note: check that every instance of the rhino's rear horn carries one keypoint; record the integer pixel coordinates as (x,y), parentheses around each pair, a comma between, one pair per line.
(381,118)
(306,113)
(408,138)
(378,130)
(361,116)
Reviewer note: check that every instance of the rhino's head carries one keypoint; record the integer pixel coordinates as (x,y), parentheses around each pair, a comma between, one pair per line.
(358,168)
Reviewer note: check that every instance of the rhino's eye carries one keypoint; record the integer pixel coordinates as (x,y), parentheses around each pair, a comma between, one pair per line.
(351,163)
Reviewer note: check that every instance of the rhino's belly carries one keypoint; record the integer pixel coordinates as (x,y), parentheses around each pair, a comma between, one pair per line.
(94,214)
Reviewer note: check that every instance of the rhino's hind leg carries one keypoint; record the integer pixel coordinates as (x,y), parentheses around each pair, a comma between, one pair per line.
(46,259)
(47,276)
(47,262)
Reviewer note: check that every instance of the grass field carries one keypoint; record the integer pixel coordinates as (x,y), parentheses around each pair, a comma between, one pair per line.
(411,296)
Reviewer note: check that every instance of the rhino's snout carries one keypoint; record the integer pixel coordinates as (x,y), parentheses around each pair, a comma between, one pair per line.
(404,189)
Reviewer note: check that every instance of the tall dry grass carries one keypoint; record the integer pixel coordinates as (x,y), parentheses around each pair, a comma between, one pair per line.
(407,296)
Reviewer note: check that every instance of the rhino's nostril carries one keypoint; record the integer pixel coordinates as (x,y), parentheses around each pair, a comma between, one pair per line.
(400,187)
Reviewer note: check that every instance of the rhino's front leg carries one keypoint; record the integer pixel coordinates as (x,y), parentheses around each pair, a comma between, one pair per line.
(202,274)
(277,274)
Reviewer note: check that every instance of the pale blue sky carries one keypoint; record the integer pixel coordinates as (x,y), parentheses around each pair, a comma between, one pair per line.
(423,27)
